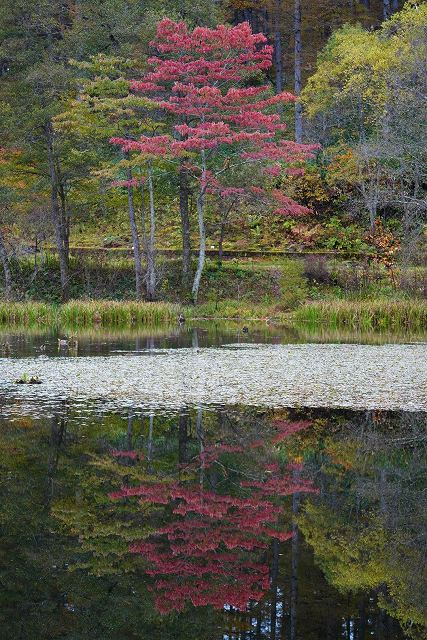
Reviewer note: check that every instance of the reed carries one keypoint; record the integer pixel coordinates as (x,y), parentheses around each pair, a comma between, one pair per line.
(364,315)
(27,313)
(116,314)
(78,313)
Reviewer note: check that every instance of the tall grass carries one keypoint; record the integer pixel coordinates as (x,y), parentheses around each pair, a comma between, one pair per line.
(88,313)
(364,315)
(27,313)
(112,313)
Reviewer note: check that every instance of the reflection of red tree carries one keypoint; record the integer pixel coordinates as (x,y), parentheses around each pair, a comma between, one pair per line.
(204,558)
(285,428)
(282,486)
(214,554)
(213,551)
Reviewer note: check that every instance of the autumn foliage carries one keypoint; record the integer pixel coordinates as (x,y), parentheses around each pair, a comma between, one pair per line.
(209,85)
(197,77)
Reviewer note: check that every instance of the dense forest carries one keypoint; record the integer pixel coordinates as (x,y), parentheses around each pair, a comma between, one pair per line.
(144,143)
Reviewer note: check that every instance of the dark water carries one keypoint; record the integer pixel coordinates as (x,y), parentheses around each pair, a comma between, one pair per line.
(228,523)
(98,341)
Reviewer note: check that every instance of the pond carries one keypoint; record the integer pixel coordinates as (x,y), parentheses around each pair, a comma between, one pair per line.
(213,484)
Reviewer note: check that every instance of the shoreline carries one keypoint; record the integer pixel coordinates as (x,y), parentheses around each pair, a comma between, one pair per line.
(372,315)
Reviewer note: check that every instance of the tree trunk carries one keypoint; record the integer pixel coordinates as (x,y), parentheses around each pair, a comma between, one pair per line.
(130,431)
(278,54)
(366,4)
(185,227)
(394,6)
(274,579)
(143,220)
(135,236)
(57,217)
(151,242)
(202,233)
(298,69)
(295,561)
(221,241)
(65,218)
(183,437)
(362,620)
(387,9)
(4,259)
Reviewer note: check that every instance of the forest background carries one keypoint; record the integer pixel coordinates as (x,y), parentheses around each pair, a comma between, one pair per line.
(73,223)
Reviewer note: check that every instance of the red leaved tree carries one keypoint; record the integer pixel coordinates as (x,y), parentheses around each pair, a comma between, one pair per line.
(207,80)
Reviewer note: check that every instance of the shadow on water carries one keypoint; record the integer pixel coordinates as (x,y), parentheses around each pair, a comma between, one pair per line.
(237,524)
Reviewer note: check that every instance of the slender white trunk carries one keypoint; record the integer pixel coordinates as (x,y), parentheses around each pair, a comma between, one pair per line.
(202,232)
(151,241)
(135,239)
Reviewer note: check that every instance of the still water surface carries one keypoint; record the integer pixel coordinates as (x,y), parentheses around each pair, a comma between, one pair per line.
(129,518)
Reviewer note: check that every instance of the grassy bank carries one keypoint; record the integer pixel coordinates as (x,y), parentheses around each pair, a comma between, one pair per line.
(107,313)
(111,277)
(78,313)
(237,310)
(364,315)
(313,291)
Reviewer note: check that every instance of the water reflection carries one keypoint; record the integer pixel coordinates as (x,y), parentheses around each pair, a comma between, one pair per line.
(219,514)
(237,523)
(92,341)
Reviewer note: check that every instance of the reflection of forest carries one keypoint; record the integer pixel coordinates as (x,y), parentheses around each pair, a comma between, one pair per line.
(201,508)
(89,341)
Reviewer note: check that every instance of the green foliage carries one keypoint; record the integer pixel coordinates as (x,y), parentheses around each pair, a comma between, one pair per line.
(351,559)
(339,235)
(364,101)
(281,284)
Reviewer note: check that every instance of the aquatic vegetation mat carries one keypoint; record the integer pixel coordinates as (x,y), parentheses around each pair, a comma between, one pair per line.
(311,375)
